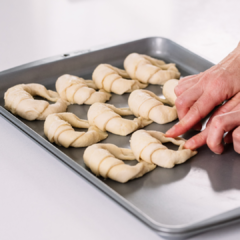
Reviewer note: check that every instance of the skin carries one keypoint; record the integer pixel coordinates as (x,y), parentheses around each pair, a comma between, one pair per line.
(198,95)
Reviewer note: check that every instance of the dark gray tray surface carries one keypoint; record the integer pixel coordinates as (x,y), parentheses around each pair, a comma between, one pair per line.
(183,199)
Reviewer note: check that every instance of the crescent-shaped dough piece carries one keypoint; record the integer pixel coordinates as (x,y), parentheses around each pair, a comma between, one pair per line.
(113,79)
(107,118)
(146,104)
(168,90)
(19,100)
(77,90)
(58,129)
(106,160)
(147,146)
(149,70)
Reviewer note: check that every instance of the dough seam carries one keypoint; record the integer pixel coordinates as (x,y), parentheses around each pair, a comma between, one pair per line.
(155,106)
(122,72)
(79,87)
(158,104)
(102,82)
(88,98)
(148,80)
(118,77)
(56,137)
(76,138)
(136,68)
(15,107)
(111,167)
(107,121)
(110,120)
(143,150)
(97,174)
(43,111)
(39,113)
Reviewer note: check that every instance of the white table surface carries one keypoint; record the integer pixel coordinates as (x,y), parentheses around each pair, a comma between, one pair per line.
(41,197)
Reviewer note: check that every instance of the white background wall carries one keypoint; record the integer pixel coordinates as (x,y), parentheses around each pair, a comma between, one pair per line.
(35,29)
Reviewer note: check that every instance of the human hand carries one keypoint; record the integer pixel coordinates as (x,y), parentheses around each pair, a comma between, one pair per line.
(225,119)
(197,95)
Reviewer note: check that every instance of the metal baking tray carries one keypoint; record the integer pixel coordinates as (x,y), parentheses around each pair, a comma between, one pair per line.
(201,194)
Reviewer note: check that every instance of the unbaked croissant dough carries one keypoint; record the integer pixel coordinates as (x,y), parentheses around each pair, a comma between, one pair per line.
(112,79)
(58,129)
(168,90)
(149,70)
(77,90)
(104,160)
(147,146)
(107,118)
(149,106)
(19,100)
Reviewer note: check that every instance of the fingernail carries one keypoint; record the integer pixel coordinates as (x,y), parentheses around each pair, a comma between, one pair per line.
(218,152)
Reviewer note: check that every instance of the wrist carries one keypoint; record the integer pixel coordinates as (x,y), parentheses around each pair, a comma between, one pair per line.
(232,62)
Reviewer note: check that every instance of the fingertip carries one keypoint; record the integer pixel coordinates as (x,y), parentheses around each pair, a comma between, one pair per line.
(218,152)
(217,149)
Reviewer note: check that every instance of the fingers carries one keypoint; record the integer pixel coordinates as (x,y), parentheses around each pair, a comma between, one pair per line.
(236,139)
(186,100)
(221,124)
(198,140)
(183,86)
(189,77)
(197,111)
(201,138)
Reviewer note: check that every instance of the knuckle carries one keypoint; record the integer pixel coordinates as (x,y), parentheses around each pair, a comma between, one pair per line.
(217,122)
(196,111)
(222,92)
(223,111)
(180,103)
